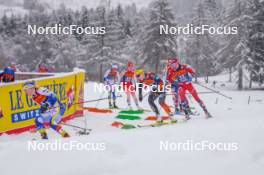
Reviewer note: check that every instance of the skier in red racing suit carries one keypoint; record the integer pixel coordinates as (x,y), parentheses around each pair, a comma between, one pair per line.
(183,75)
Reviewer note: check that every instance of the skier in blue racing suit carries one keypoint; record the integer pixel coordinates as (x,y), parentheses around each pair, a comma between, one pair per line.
(51,110)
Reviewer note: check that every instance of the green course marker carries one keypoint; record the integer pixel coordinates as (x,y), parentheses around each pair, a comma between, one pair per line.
(131,112)
(128,117)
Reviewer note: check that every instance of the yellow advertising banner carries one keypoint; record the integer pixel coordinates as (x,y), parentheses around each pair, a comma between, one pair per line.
(17,110)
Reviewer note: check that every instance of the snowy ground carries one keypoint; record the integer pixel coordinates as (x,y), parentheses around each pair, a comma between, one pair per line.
(137,151)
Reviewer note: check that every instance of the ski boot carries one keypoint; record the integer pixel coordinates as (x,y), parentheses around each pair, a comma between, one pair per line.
(110,105)
(44,136)
(139,108)
(185,110)
(43,133)
(159,119)
(177,111)
(187,117)
(181,107)
(172,118)
(190,112)
(64,134)
(61,131)
(130,108)
(187,114)
(208,115)
(114,106)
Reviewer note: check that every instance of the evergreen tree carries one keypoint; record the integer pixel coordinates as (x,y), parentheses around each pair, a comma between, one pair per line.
(202,47)
(156,46)
(256,41)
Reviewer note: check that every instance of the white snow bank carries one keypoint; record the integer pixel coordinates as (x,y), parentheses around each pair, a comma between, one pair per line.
(138,151)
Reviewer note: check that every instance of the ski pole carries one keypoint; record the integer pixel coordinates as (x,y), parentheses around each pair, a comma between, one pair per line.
(97,103)
(197,92)
(88,101)
(74,126)
(217,92)
(145,95)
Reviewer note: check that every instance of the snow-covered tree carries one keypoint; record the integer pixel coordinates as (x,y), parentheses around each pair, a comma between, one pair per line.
(156,46)
(201,48)
(233,51)
(256,41)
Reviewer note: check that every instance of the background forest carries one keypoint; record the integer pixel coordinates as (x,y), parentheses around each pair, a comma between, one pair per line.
(132,33)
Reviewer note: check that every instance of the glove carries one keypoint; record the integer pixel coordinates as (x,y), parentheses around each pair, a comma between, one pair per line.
(44,107)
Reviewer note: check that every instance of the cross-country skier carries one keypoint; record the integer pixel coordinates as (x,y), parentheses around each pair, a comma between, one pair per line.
(128,82)
(140,79)
(169,73)
(111,78)
(157,91)
(174,83)
(51,110)
(183,74)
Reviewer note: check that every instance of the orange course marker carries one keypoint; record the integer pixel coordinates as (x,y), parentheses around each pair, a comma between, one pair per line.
(117,124)
(97,110)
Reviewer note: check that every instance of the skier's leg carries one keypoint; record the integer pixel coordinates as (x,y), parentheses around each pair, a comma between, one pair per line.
(162,103)
(39,122)
(128,99)
(131,89)
(135,100)
(194,93)
(109,98)
(182,94)
(55,120)
(166,108)
(176,99)
(151,100)
(114,98)
(126,87)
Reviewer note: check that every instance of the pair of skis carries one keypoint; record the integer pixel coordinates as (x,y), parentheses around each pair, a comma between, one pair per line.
(81,130)
(171,122)
(163,123)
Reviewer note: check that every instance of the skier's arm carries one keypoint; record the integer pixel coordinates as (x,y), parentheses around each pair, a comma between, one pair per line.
(49,94)
(121,77)
(190,70)
(106,75)
(117,78)
(164,77)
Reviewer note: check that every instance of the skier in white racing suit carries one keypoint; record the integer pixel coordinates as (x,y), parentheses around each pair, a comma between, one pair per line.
(111,78)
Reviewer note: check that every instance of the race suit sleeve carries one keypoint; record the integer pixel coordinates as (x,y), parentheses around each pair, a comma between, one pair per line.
(106,75)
